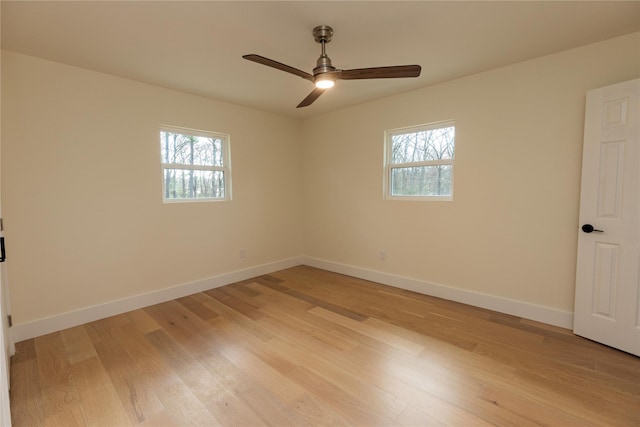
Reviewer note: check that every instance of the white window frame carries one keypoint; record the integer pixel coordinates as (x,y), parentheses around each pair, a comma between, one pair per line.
(225,169)
(388,166)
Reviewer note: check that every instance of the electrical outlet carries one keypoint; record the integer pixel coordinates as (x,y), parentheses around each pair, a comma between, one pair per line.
(243,253)
(383,255)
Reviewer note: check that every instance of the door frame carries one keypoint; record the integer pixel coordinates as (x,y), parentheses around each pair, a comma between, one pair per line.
(6,342)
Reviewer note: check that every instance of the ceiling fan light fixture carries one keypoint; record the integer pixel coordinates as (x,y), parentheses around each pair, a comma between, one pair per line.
(324,83)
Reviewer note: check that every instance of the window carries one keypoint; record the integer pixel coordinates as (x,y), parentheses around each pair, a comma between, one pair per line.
(195,165)
(419,162)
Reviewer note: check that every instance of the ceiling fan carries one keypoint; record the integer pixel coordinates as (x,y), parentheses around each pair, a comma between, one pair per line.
(325,74)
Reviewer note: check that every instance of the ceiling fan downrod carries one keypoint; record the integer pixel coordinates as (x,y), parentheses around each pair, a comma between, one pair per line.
(322,34)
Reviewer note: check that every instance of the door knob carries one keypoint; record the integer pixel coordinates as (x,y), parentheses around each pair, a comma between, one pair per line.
(588,228)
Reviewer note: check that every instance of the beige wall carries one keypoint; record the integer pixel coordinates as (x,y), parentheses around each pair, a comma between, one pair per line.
(82,189)
(86,224)
(511,229)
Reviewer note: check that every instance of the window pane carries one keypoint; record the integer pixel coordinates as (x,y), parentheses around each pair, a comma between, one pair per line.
(191,149)
(193,184)
(424,145)
(421,181)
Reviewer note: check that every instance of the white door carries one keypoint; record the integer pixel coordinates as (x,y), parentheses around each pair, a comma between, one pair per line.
(6,343)
(607,301)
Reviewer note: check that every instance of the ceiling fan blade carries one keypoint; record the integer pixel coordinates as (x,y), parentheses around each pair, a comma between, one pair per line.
(381,72)
(311,97)
(278,66)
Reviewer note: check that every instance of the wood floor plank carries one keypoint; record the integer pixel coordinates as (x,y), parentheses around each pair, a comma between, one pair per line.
(142,322)
(231,315)
(245,288)
(220,401)
(372,332)
(313,339)
(58,388)
(194,305)
(25,351)
(181,405)
(317,301)
(104,328)
(379,370)
(446,414)
(536,412)
(307,347)
(137,398)
(350,407)
(276,350)
(233,347)
(412,417)
(272,411)
(449,391)
(495,414)
(234,303)
(270,408)
(73,416)
(26,392)
(78,344)
(380,401)
(99,399)
(431,374)
(564,374)
(183,325)
(242,291)
(164,419)
(578,402)
(226,373)
(270,298)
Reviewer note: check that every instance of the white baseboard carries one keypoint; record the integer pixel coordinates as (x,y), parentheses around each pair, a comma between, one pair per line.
(548,315)
(552,316)
(24,331)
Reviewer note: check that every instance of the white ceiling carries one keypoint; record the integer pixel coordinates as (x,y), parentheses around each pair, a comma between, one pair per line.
(197,47)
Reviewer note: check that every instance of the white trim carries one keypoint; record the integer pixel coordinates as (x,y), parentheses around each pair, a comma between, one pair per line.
(425,126)
(422,198)
(70,319)
(551,316)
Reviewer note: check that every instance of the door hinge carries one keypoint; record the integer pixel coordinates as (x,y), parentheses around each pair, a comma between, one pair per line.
(10,320)
(1,225)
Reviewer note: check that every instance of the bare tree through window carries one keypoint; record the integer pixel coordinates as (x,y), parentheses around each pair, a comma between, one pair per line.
(420,161)
(194,165)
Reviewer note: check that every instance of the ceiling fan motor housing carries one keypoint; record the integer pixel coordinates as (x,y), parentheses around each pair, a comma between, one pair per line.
(323,65)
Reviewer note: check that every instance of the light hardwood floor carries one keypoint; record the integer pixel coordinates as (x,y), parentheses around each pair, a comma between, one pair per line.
(306,347)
